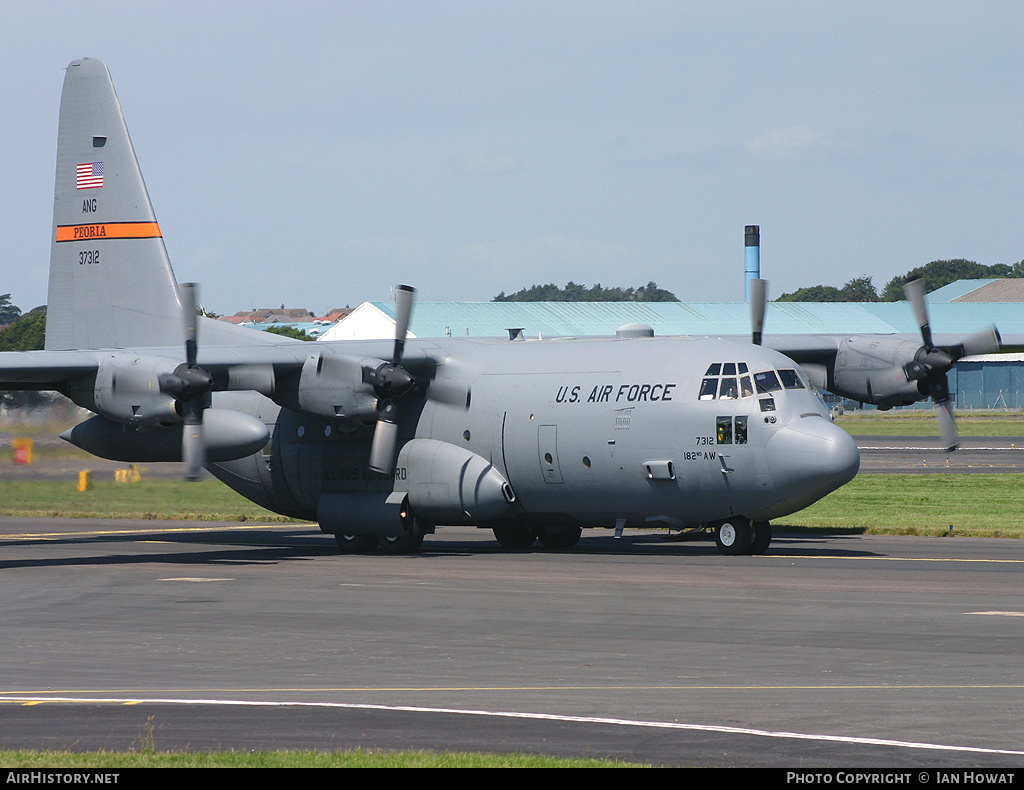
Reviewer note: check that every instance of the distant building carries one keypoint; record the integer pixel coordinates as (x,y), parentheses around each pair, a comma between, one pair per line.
(335,315)
(996,290)
(271,315)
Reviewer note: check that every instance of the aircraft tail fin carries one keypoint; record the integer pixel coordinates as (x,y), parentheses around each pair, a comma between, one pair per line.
(111,283)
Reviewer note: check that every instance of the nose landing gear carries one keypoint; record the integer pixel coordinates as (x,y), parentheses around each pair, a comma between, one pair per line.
(741,536)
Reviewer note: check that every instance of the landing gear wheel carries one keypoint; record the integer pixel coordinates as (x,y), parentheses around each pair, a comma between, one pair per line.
(762,537)
(733,536)
(515,537)
(400,544)
(356,544)
(559,537)
(411,540)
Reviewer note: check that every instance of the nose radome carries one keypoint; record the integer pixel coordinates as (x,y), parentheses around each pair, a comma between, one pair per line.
(809,458)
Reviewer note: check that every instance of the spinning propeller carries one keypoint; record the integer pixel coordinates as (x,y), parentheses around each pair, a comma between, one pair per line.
(391,381)
(190,386)
(931,363)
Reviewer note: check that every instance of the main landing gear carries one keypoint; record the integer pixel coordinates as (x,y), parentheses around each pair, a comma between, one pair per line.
(365,544)
(407,543)
(741,536)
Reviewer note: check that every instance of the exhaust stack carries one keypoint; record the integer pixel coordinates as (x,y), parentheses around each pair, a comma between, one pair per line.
(752,244)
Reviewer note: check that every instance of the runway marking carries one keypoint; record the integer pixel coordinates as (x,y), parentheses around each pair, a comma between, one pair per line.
(937,450)
(251,527)
(148,531)
(889,559)
(1001,614)
(666,725)
(13,696)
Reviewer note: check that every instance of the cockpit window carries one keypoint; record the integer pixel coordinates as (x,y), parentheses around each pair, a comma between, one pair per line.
(726,381)
(767,381)
(791,380)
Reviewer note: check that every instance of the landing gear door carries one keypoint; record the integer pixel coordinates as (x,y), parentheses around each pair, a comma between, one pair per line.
(547,451)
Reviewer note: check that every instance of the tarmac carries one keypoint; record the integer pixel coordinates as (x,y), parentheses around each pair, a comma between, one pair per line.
(867,651)
(836,652)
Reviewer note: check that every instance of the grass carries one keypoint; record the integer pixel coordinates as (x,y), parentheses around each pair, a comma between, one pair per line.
(358,758)
(922,423)
(898,422)
(206,500)
(975,505)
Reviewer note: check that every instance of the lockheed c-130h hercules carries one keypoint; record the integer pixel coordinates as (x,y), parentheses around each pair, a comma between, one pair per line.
(381,441)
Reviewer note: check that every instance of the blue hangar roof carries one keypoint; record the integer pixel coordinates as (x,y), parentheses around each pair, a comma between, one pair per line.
(561,319)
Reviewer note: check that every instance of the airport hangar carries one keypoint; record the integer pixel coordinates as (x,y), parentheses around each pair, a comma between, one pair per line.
(993,381)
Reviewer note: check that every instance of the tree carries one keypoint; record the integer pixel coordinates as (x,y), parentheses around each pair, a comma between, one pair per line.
(574,292)
(8,312)
(652,293)
(939,273)
(814,293)
(27,333)
(859,289)
(290,331)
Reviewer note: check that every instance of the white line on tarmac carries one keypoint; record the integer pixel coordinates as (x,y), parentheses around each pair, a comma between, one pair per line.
(537,716)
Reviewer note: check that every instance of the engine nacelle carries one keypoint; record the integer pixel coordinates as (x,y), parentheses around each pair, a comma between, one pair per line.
(329,386)
(871,370)
(126,388)
(447,484)
(229,435)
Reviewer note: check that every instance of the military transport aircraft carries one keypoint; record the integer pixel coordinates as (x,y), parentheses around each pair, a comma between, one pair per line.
(380,441)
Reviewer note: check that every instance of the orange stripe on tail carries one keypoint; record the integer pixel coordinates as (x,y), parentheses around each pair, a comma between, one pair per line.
(108,230)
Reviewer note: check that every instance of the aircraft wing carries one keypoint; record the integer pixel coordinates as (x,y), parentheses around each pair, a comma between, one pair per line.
(52,369)
(45,369)
(805,348)
(823,348)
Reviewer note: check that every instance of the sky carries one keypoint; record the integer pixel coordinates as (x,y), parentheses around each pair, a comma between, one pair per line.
(315,154)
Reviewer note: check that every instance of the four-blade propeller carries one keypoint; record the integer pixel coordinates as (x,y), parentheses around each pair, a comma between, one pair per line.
(190,386)
(931,363)
(390,381)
